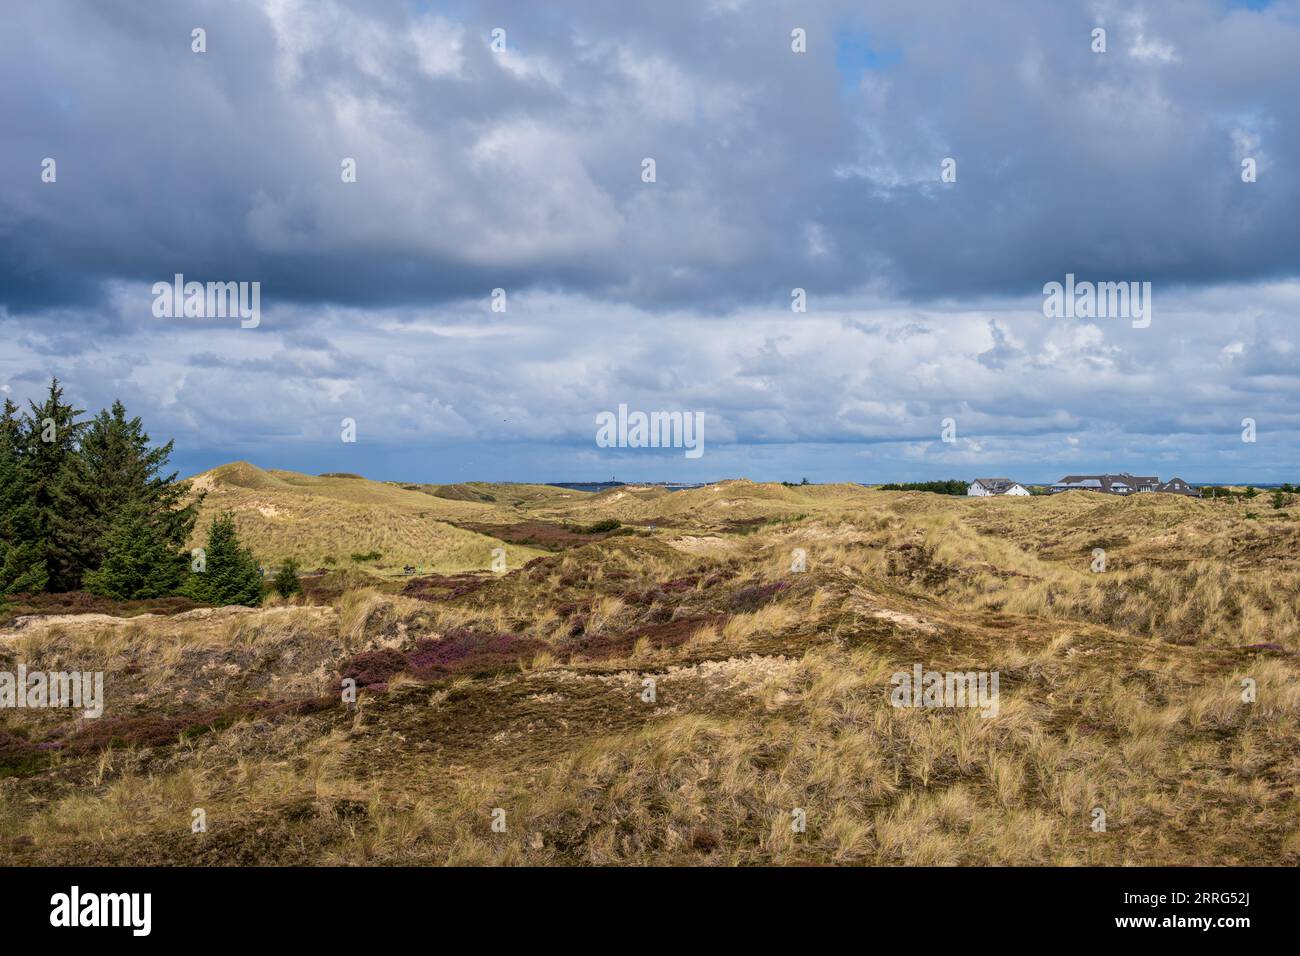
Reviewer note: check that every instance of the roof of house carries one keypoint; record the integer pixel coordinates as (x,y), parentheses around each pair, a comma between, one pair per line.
(1123,480)
(1177,486)
(995,484)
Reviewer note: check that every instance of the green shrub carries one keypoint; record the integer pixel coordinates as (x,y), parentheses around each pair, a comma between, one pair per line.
(286,581)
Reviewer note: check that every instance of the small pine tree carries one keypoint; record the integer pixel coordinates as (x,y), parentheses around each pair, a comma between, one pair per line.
(286,579)
(140,559)
(230,574)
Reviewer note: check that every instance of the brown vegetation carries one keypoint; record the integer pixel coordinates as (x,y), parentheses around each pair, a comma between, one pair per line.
(675,696)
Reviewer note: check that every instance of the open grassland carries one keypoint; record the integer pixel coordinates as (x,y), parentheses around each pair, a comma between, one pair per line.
(524,697)
(323,521)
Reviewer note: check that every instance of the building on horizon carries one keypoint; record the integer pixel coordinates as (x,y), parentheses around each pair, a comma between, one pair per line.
(986,487)
(1125,484)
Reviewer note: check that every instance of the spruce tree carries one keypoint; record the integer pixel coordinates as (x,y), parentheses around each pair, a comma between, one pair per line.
(230,574)
(140,558)
(22,561)
(115,473)
(47,443)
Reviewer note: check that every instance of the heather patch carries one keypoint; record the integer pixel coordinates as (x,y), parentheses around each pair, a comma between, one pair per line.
(751,598)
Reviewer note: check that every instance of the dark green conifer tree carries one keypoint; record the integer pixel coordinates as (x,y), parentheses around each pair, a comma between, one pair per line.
(140,558)
(114,476)
(47,443)
(22,561)
(229,572)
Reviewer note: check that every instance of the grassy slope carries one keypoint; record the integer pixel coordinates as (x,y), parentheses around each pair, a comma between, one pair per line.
(715,505)
(284,514)
(1120,689)
(504,495)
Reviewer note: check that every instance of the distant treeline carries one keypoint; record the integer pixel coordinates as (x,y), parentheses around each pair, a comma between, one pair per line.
(85,505)
(953,487)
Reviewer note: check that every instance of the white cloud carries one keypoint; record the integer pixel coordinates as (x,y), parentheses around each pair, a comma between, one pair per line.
(439,46)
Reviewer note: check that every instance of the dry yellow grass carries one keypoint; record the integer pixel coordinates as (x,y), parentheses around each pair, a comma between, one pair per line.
(323,522)
(680,704)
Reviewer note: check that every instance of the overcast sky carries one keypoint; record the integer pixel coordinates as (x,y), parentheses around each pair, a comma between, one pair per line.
(522,169)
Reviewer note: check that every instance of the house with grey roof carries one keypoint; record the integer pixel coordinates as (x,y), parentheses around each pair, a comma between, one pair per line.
(1124,484)
(984,487)
(1176,486)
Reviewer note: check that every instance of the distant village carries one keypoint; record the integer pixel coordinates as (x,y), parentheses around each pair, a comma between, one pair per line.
(1121,484)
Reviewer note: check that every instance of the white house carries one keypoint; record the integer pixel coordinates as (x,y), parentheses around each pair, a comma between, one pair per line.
(983,487)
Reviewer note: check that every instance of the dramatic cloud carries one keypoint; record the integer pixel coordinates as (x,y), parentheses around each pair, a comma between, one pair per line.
(522,170)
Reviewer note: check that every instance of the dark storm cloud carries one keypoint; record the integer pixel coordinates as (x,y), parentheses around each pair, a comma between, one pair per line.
(775,170)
